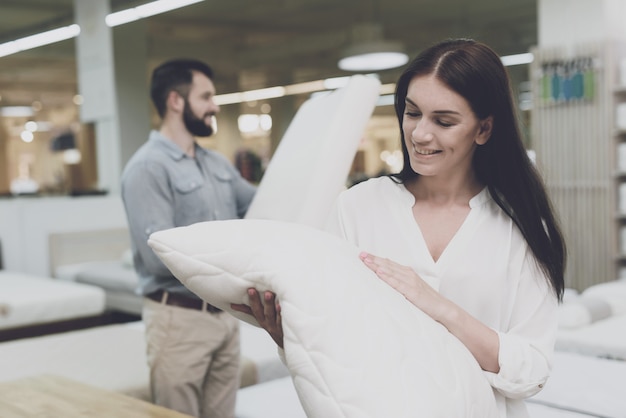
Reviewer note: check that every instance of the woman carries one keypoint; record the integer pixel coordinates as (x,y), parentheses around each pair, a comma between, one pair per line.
(467,222)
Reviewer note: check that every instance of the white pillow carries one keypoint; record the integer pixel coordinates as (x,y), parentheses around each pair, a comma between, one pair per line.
(354,346)
(613,292)
(584,310)
(312,161)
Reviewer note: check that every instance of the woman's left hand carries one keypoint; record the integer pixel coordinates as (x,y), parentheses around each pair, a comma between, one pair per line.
(407,282)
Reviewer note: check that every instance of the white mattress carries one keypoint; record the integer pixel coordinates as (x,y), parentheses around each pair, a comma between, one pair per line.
(113,274)
(113,357)
(117,277)
(276,399)
(258,347)
(604,338)
(29,300)
(586,385)
(579,387)
(545,411)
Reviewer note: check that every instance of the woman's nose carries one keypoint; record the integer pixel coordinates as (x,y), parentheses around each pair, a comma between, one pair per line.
(421,131)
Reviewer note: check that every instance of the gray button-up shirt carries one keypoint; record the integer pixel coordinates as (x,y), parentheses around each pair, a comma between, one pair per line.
(163,188)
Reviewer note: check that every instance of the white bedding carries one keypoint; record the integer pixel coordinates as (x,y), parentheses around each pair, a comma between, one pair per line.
(536,410)
(593,322)
(260,351)
(603,338)
(113,357)
(110,357)
(584,386)
(354,346)
(579,387)
(117,277)
(30,300)
(275,399)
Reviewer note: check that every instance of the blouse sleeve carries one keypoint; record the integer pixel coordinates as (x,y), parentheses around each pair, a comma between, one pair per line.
(527,347)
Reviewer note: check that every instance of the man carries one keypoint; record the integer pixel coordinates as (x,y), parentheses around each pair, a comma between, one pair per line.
(192,347)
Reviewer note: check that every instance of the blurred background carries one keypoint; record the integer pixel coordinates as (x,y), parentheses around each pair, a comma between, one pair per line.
(250,44)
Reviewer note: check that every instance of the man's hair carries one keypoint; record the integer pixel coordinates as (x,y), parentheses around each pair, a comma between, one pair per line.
(175,75)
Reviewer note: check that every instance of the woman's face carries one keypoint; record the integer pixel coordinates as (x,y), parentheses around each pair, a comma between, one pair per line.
(440,129)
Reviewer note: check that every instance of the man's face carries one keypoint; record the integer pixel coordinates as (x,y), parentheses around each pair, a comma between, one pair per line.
(199,106)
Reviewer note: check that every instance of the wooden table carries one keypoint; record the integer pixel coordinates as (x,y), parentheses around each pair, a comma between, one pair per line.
(49,396)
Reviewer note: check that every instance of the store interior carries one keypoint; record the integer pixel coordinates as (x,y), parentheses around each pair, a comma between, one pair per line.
(250,47)
(74,106)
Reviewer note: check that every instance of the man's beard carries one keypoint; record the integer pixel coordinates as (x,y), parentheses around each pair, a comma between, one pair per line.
(195,125)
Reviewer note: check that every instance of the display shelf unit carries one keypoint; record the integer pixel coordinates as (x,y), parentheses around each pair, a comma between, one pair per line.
(576,142)
(619,138)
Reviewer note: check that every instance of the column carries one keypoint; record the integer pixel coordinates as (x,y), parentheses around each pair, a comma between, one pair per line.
(112,79)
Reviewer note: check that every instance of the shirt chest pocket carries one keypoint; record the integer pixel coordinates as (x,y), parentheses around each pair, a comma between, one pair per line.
(203,199)
(190,202)
(186,186)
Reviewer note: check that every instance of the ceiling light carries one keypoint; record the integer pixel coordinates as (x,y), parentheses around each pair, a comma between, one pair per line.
(262,94)
(72,31)
(146,10)
(373,56)
(40,39)
(370,52)
(518,59)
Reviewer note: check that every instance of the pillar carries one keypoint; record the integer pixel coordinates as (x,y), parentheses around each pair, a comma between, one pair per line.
(112,79)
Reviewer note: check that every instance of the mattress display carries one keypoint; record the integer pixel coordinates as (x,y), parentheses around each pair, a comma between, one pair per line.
(605,338)
(117,277)
(579,387)
(275,399)
(259,350)
(593,321)
(110,357)
(113,357)
(536,410)
(584,385)
(30,300)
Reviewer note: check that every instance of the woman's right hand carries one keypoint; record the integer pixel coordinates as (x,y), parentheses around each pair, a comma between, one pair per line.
(266,313)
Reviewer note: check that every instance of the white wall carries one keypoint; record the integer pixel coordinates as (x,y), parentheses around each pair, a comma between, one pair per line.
(27,222)
(574,22)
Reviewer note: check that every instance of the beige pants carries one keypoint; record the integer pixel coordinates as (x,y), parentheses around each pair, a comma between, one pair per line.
(193,358)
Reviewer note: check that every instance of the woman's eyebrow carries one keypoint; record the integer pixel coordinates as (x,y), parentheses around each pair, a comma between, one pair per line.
(438,112)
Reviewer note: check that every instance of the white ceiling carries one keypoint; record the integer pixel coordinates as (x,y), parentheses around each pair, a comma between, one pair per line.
(258,43)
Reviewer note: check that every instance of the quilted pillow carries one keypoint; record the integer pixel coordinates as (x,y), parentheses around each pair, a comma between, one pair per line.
(354,346)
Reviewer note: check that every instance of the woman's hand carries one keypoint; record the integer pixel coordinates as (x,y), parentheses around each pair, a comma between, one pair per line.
(482,341)
(266,313)
(407,282)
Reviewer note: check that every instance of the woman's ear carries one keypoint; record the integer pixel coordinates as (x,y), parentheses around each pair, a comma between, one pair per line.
(486,126)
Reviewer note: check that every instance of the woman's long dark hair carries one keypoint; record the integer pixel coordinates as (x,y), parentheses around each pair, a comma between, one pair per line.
(474,71)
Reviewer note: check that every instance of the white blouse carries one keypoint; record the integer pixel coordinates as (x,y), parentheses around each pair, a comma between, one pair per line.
(487,269)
